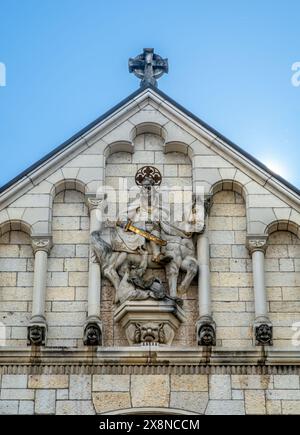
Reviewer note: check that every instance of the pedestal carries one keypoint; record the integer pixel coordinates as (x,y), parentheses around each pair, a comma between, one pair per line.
(149,321)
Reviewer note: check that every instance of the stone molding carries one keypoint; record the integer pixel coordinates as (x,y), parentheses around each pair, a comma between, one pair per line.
(151,360)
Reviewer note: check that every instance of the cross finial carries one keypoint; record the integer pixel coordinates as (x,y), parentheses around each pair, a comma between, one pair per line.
(148,67)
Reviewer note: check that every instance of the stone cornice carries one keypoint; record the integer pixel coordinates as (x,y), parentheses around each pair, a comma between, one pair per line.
(148,360)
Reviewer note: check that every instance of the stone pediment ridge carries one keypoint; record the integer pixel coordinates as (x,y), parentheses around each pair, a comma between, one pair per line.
(120,113)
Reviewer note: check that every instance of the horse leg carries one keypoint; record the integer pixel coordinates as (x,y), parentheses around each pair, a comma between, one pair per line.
(144,262)
(110,271)
(189,265)
(172,272)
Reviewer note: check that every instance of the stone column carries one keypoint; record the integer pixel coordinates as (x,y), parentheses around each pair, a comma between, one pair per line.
(93,324)
(37,328)
(263,330)
(205,327)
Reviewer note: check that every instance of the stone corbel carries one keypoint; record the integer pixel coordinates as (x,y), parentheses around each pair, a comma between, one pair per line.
(206,331)
(37,328)
(262,326)
(92,335)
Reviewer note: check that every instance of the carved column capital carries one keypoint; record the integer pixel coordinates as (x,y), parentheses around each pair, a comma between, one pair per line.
(257,243)
(95,202)
(41,243)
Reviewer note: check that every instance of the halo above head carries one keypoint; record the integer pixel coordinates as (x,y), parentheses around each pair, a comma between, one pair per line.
(149,172)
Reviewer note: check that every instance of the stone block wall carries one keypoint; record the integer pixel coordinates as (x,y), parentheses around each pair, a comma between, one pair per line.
(68,270)
(16,281)
(283,285)
(231,271)
(175,168)
(231,280)
(200,394)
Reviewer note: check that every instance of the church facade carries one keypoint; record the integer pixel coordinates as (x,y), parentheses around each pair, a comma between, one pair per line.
(149,265)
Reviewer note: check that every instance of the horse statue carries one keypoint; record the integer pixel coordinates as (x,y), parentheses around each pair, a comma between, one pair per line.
(177,253)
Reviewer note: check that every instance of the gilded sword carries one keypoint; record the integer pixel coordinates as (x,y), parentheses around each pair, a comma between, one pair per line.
(129,227)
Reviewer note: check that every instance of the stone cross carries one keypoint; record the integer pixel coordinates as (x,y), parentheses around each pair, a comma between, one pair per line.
(148,67)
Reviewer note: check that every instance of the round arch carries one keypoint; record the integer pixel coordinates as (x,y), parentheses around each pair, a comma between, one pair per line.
(229,185)
(148,127)
(67,184)
(283,225)
(15,225)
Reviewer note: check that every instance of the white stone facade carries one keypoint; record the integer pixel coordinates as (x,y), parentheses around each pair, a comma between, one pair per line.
(248,204)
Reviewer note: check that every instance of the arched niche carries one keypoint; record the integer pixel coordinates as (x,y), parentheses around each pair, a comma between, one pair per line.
(282,277)
(16,280)
(148,127)
(15,225)
(230,265)
(67,184)
(283,225)
(229,185)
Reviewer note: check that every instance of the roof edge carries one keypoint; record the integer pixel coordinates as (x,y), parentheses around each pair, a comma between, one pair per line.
(133,95)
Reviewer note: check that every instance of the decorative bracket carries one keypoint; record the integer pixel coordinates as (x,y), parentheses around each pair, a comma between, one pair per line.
(206,332)
(263,332)
(37,331)
(92,332)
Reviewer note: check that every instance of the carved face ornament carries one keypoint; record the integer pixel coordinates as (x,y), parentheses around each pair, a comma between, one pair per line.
(93,335)
(264,334)
(206,336)
(36,334)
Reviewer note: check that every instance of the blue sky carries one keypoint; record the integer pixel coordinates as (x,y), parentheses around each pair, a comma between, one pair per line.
(230,63)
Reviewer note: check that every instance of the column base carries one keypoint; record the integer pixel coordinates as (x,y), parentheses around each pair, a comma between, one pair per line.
(263,332)
(37,331)
(92,332)
(206,331)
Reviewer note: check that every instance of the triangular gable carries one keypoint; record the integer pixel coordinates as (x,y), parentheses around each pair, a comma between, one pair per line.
(25,178)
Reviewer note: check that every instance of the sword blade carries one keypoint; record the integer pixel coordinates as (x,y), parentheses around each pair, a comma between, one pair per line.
(145,234)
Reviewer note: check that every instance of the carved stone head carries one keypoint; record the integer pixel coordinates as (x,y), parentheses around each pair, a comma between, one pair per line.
(92,335)
(159,333)
(36,335)
(264,334)
(207,335)
(149,333)
(148,183)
